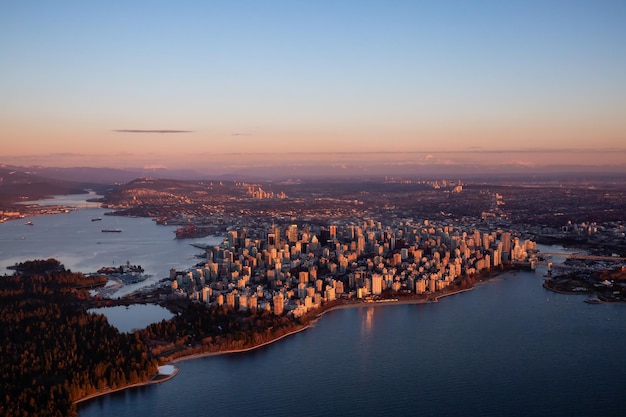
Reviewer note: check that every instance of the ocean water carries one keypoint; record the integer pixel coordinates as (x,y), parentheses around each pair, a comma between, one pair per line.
(508,347)
(79,243)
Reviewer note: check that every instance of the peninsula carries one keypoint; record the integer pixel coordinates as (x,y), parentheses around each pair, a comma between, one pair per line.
(289,254)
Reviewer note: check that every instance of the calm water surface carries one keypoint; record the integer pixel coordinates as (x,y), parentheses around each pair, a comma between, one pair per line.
(509,347)
(137,316)
(78,242)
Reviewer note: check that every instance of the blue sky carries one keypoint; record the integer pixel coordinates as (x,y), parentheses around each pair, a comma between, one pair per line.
(299,77)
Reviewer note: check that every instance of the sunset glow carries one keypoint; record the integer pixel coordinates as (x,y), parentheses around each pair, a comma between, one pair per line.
(242,83)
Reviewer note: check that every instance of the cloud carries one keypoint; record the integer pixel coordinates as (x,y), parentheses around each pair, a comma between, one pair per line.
(150,131)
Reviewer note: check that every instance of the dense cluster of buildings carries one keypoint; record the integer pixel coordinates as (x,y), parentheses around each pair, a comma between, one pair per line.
(294,269)
(608,231)
(257,193)
(29,210)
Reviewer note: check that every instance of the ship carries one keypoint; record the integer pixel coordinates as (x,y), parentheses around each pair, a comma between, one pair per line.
(112,230)
(128,274)
(96,219)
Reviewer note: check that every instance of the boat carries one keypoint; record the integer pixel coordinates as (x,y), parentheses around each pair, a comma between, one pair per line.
(128,274)
(593,300)
(112,230)
(128,277)
(28,223)
(133,278)
(122,269)
(96,219)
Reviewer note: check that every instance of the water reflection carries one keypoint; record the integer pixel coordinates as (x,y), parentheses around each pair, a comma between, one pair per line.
(134,317)
(366,326)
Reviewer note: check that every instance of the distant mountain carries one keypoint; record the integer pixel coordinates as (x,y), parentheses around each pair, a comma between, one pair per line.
(97,178)
(21,184)
(109,175)
(410,170)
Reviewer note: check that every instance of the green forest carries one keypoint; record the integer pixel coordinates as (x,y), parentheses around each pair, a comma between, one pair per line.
(55,352)
(199,329)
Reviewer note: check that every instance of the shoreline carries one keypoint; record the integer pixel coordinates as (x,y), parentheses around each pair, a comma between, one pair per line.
(357,304)
(156,379)
(354,304)
(589,294)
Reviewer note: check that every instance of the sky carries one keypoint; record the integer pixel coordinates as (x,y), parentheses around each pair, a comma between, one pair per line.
(196,83)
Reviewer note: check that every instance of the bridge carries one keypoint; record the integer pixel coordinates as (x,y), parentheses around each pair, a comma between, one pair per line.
(579,256)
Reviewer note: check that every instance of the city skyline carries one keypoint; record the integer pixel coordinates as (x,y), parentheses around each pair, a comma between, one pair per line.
(279,83)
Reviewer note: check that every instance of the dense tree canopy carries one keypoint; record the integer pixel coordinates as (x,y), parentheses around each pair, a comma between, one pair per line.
(53,351)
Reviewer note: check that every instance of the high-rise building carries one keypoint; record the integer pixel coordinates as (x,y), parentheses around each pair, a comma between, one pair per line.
(292,233)
(329,293)
(232,238)
(506,246)
(279,304)
(277,234)
(243,302)
(477,239)
(377,284)
(230,299)
(420,286)
(252,302)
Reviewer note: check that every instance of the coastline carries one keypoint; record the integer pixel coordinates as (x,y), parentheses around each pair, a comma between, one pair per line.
(356,304)
(353,304)
(599,296)
(156,379)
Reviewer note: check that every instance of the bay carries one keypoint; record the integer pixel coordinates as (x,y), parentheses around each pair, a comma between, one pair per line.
(508,347)
(79,243)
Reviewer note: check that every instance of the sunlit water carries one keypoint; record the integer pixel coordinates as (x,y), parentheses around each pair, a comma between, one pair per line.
(509,347)
(79,243)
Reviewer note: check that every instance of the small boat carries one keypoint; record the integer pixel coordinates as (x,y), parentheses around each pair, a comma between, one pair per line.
(593,300)
(111,230)
(96,219)
(28,223)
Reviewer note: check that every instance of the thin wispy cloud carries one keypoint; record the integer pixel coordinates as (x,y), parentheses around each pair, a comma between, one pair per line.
(151,131)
